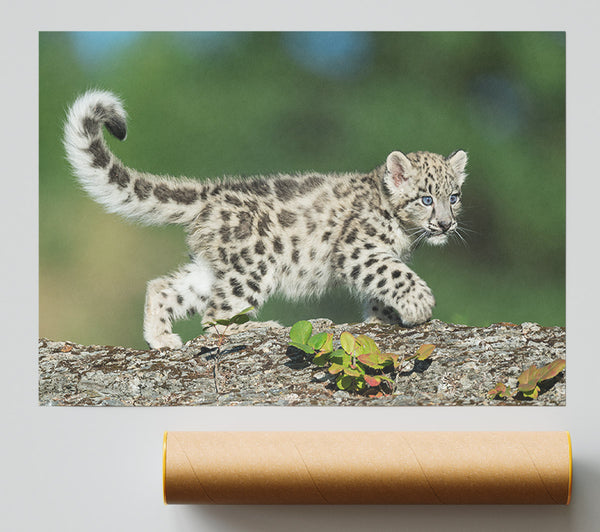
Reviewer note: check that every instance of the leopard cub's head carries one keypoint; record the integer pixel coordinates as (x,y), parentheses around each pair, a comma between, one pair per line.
(424,190)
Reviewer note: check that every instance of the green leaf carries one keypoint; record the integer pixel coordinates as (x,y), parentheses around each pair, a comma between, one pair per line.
(348,342)
(390,358)
(532,393)
(366,345)
(353,372)
(327,347)
(301,331)
(360,384)
(385,378)
(242,316)
(239,319)
(317,340)
(320,359)
(344,382)
(339,356)
(303,347)
(385,359)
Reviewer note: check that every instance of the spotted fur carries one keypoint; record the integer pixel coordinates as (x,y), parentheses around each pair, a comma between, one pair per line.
(291,234)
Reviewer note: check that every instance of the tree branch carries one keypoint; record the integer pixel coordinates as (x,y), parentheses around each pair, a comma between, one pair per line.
(256,367)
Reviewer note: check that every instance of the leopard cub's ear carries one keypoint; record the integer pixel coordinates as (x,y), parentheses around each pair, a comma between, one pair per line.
(398,167)
(458,162)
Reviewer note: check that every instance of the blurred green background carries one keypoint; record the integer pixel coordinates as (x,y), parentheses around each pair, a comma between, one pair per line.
(209,104)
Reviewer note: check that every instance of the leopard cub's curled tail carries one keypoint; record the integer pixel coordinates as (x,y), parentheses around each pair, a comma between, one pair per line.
(138,196)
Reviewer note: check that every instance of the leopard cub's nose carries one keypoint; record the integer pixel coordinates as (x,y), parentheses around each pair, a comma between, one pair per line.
(444,225)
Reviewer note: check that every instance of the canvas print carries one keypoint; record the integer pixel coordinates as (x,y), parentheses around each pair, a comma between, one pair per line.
(302,218)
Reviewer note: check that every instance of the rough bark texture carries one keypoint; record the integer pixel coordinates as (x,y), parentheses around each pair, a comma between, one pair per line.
(256,367)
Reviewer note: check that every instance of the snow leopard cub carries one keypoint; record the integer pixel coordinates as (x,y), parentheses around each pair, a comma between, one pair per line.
(291,234)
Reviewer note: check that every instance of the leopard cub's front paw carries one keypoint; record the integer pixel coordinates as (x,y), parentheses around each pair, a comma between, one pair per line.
(165,341)
(417,306)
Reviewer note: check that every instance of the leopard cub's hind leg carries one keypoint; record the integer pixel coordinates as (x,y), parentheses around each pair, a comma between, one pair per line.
(232,294)
(182,294)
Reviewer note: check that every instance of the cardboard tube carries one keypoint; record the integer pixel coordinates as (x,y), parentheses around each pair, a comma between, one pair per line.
(367,467)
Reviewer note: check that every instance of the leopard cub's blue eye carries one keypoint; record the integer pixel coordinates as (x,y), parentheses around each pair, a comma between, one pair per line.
(453,198)
(427,200)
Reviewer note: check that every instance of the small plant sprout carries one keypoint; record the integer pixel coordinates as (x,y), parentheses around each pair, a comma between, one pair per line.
(358,365)
(501,390)
(238,319)
(528,381)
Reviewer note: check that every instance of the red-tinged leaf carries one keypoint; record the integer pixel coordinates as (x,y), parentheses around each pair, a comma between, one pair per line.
(425,351)
(371,360)
(348,342)
(528,379)
(66,348)
(552,370)
(500,390)
(508,324)
(334,369)
(373,380)
(368,359)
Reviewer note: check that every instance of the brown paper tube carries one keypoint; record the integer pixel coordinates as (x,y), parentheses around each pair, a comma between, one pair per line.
(367,467)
